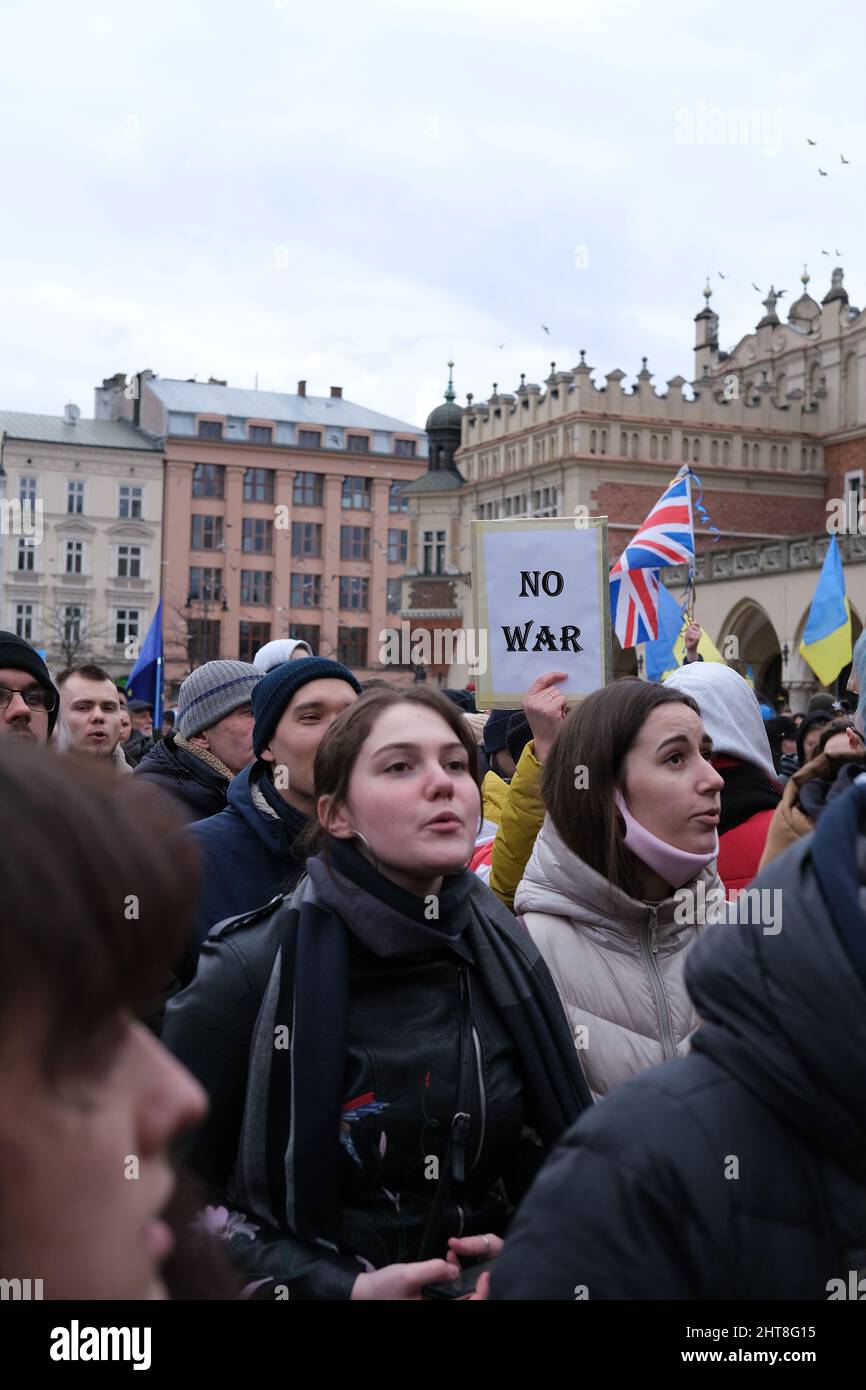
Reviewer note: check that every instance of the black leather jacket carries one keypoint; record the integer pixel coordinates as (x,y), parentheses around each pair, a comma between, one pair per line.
(405,1020)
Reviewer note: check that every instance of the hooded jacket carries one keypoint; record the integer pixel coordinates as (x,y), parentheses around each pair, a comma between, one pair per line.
(199,788)
(617,963)
(741,754)
(247,855)
(740,1170)
(807,792)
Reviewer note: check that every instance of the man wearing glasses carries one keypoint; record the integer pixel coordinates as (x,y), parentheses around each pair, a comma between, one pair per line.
(28,700)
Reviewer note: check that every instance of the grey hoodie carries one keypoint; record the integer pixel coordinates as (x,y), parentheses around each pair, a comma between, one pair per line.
(729,710)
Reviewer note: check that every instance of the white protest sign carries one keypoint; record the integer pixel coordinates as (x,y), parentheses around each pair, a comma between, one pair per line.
(540,590)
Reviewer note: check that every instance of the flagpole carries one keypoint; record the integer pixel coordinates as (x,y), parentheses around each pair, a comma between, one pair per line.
(157,697)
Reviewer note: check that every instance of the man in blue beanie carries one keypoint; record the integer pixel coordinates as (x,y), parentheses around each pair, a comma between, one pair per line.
(248,850)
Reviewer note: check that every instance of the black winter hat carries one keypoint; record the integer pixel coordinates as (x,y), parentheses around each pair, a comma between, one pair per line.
(274,691)
(496,729)
(463,699)
(517,735)
(18,655)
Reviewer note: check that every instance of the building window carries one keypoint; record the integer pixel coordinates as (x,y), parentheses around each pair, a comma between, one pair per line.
(726,451)
(654,446)
(784,456)
(853,496)
(356,494)
(71,620)
(26,554)
(206,532)
(396,501)
(308,490)
(685,449)
(256,587)
(210,429)
(714,451)
(306,538)
(306,591)
(604,441)
(27,491)
(129,562)
(635,446)
(774,456)
(75,498)
(358,443)
(208,480)
(205,638)
(306,632)
(593,441)
(309,439)
(696,450)
(392,600)
(259,485)
(258,538)
(352,646)
(666,446)
(252,636)
(398,547)
(204,584)
(623,443)
(130,502)
(354,542)
(434,552)
(745,454)
(354,593)
(261,434)
(405,448)
(126,627)
(24,621)
(74,557)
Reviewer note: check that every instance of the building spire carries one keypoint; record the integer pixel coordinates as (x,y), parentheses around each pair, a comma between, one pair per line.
(805,278)
(449,392)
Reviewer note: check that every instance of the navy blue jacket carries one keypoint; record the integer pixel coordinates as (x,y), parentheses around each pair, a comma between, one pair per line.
(738,1171)
(247,857)
(196,786)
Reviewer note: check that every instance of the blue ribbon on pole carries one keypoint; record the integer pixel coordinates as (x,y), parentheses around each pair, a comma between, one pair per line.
(703,514)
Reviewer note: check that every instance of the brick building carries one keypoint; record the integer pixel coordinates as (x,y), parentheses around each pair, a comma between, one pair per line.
(283,516)
(775,428)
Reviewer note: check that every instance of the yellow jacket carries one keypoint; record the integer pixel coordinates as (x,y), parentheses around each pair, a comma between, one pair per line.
(493,794)
(520,819)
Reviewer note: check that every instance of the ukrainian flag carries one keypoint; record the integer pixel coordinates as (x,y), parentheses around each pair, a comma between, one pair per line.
(826,643)
(669,650)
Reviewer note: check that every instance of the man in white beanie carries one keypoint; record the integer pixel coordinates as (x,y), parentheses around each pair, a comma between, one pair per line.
(212,740)
(281,649)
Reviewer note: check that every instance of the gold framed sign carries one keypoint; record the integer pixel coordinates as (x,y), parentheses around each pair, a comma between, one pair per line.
(541,596)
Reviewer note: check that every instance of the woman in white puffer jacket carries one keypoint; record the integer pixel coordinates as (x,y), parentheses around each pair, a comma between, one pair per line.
(614,892)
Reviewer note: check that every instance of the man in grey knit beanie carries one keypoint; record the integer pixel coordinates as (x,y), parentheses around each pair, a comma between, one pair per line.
(212,740)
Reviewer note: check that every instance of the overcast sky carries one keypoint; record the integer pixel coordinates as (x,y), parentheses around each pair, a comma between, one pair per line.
(353,191)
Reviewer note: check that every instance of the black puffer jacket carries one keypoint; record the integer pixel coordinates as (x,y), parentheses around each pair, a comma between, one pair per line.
(407,1027)
(740,1170)
(199,788)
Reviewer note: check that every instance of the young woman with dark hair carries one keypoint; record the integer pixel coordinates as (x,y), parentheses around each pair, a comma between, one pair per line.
(93,911)
(632,813)
(384,1050)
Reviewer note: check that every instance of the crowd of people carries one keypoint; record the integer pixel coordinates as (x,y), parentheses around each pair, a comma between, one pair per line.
(338,990)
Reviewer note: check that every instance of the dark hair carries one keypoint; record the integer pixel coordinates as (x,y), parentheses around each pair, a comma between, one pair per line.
(88,670)
(338,752)
(95,908)
(597,735)
(838,726)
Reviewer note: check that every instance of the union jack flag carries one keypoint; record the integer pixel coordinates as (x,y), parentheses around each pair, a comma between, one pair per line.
(666,538)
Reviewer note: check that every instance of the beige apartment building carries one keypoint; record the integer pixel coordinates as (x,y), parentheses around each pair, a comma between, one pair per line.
(80,535)
(283,516)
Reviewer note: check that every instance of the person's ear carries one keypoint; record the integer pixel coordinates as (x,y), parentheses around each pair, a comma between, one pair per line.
(267,754)
(335,818)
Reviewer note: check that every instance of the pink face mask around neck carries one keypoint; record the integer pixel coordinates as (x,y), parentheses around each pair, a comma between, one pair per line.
(675,866)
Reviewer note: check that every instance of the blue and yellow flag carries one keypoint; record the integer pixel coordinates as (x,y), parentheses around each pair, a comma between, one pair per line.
(826,643)
(669,650)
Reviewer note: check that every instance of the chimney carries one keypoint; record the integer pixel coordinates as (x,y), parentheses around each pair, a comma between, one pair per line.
(71,414)
(337,392)
(302,388)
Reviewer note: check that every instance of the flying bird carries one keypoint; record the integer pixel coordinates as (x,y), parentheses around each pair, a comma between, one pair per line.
(825,253)
(756,287)
(840,253)
(844,160)
(721,276)
(811,142)
(501,346)
(823,173)
(546,329)
(779,293)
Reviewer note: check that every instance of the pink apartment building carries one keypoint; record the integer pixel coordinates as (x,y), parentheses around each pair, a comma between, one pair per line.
(282,516)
